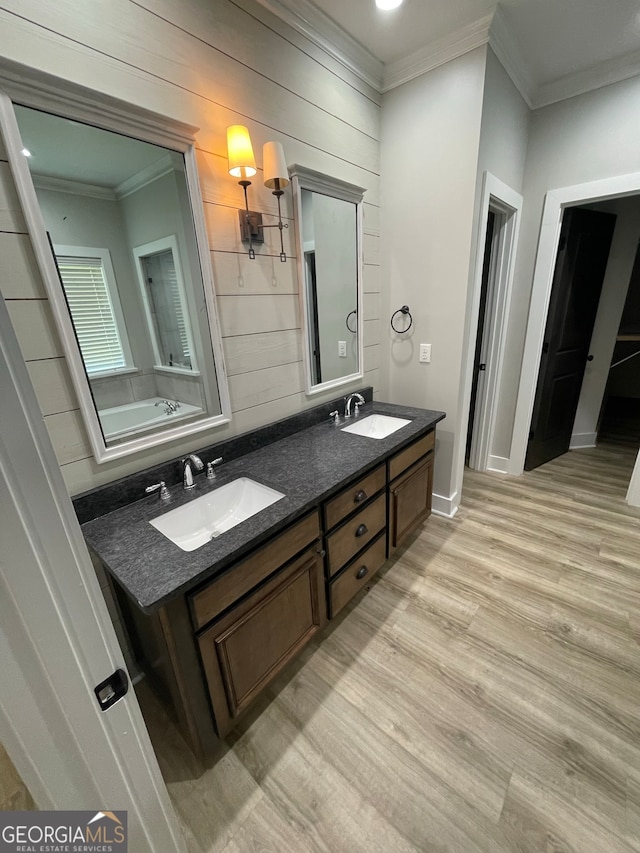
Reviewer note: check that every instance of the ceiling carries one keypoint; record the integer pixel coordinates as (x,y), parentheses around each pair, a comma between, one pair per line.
(71,151)
(551,48)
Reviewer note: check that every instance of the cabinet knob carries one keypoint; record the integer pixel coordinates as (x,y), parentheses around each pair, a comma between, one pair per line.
(361,530)
(322,552)
(360,496)
(362,571)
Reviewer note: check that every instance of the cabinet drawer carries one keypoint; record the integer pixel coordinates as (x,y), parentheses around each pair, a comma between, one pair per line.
(353,496)
(356,575)
(244,650)
(243,577)
(403,460)
(346,541)
(410,501)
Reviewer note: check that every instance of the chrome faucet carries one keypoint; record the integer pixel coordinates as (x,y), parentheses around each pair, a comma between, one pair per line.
(359,402)
(170,407)
(187,470)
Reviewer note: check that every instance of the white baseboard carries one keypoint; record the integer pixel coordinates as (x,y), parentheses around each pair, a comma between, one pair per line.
(583,439)
(447,507)
(498,464)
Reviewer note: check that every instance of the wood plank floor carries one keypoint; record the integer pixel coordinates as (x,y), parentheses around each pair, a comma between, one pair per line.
(484,695)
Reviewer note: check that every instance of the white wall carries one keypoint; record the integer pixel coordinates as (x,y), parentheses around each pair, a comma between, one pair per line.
(209,63)
(504,132)
(504,137)
(614,290)
(586,138)
(430,141)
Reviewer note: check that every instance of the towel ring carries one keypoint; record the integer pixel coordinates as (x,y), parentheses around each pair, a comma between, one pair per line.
(353,331)
(404,310)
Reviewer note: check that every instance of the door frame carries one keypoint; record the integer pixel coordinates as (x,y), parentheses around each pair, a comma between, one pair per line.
(57,641)
(507,204)
(555,202)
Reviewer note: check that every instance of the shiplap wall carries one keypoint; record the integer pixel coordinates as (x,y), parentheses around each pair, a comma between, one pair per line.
(209,63)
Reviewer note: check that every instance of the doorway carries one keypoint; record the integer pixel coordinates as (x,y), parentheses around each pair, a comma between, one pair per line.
(619,190)
(488,314)
(479,364)
(619,421)
(581,263)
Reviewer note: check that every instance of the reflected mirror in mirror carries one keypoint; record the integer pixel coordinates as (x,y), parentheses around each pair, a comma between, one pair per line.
(119,219)
(328,220)
(330,264)
(161,284)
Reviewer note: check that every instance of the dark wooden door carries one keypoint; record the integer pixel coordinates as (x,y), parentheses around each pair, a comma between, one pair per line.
(583,252)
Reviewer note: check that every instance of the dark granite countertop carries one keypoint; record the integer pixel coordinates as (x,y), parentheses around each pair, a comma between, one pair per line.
(308,467)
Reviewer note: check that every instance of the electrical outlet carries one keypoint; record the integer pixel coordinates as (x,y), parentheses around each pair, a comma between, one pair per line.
(425,353)
(342,349)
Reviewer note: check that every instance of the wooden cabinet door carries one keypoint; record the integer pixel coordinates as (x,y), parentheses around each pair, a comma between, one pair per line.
(246,649)
(410,501)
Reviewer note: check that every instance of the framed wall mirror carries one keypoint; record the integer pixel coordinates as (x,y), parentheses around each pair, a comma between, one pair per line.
(119,233)
(328,215)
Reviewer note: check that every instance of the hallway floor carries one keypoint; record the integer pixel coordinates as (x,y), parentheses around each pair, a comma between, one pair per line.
(484,696)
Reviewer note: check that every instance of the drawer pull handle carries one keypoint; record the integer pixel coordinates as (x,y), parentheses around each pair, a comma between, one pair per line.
(360,496)
(361,530)
(362,571)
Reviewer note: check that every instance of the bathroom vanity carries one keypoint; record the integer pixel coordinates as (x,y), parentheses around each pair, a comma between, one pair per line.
(215,625)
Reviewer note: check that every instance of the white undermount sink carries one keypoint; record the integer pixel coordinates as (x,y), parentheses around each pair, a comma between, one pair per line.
(197,522)
(376,426)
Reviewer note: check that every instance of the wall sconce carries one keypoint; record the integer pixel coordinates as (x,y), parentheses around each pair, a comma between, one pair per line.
(242,165)
(276,178)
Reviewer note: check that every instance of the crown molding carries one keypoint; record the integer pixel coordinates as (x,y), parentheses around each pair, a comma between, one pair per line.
(508,51)
(604,74)
(64,185)
(538,95)
(130,185)
(318,27)
(145,176)
(436,53)
(492,29)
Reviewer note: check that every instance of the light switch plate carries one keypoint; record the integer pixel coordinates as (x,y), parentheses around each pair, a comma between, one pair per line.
(342,349)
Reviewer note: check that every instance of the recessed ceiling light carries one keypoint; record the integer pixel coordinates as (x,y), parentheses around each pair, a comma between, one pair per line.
(26,152)
(388,4)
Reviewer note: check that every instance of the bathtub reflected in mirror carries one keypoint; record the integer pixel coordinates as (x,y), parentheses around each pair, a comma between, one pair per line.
(127,278)
(120,422)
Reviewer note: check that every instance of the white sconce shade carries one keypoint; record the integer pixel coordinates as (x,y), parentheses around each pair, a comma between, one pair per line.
(388,4)
(276,175)
(242,163)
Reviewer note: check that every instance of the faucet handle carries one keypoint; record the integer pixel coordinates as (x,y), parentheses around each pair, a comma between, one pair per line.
(356,408)
(161,486)
(211,474)
(336,416)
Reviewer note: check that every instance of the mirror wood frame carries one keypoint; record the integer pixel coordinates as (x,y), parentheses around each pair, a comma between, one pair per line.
(51,95)
(303,178)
